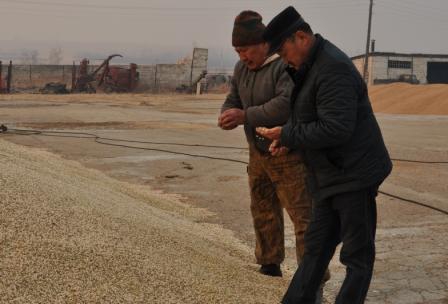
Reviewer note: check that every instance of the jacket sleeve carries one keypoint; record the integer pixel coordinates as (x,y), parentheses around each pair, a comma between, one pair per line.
(277,110)
(233,99)
(337,93)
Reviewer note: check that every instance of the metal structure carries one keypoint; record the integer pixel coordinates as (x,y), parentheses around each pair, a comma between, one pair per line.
(111,78)
(5,85)
(369,29)
(119,79)
(8,80)
(1,79)
(193,84)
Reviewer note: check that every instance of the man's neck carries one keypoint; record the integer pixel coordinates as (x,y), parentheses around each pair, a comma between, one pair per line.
(306,53)
(266,60)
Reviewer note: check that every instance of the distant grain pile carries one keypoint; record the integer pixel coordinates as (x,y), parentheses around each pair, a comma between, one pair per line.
(402,98)
(73,235)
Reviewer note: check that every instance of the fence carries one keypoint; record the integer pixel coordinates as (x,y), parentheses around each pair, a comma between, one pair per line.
(153,78)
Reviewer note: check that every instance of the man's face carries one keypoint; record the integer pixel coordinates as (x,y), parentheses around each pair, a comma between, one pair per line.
(294,50)
(253,56)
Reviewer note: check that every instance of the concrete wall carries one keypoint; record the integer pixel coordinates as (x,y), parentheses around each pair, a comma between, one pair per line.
(147,77)
(199,64)
(421,67)
(359,64)
(378,67)
(171,76)
(36,76)
(168,77)
(381,70)
(155,78)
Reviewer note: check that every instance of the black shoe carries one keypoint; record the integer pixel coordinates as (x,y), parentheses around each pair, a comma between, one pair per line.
(272,270)
(320,295)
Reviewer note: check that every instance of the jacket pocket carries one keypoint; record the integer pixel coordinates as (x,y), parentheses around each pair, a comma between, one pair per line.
(326,173)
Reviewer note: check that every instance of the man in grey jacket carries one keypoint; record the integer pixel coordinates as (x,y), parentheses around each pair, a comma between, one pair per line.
(259,97)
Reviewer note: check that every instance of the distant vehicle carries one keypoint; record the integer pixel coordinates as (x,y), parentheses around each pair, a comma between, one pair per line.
(407,78)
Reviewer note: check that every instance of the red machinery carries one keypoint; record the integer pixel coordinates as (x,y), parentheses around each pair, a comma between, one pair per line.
(111,79)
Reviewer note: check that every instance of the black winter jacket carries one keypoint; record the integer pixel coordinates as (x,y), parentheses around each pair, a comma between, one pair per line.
(333,124)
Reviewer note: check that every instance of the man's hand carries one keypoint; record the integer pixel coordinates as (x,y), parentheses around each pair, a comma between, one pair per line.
(277,149)
(231,118)
(272,134)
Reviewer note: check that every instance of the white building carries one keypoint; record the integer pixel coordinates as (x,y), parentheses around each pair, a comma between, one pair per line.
(414,68)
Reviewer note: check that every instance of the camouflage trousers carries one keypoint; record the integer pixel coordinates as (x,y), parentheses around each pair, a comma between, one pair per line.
(277,183)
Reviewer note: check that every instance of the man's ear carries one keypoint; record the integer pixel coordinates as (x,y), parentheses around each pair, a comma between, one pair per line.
(265,46)
(301,36)
(298,35)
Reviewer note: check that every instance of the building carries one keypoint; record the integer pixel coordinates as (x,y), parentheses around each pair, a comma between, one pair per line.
(412,68)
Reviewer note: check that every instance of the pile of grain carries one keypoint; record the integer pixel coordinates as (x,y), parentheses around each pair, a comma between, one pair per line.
(72,235)
(403,98)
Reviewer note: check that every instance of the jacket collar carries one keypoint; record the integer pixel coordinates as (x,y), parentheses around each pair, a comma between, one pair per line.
(270,59)
(266,62)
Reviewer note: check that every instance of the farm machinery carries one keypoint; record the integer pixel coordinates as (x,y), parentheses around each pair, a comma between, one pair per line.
(104,78)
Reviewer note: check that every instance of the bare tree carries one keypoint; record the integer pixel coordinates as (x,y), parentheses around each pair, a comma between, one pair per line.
(55,56)
(29,57)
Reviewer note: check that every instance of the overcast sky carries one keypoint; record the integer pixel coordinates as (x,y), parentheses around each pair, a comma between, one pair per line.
(170,28)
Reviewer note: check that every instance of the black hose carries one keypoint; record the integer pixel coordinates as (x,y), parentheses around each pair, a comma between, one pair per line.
(419,161)
(98,139)
(413,202)
(94,136)
(91,135)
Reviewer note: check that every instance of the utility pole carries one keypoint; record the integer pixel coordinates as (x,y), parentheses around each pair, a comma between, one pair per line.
(1,89)
(369,29)
(8,81)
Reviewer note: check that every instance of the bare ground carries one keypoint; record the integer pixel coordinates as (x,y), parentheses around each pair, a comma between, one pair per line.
(412,241)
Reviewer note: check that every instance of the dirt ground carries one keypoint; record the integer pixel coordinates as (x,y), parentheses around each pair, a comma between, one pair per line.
(412,242)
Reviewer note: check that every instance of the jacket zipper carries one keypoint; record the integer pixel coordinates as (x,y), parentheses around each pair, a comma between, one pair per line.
(252,90)
(254,133)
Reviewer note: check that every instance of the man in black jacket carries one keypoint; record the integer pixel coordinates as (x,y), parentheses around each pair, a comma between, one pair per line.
(333,124)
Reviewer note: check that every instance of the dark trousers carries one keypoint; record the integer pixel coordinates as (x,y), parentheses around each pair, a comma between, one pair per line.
(349,218)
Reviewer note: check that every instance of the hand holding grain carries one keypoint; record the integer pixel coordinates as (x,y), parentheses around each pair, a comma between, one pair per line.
(277,149)
(230,119)
(272,134)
